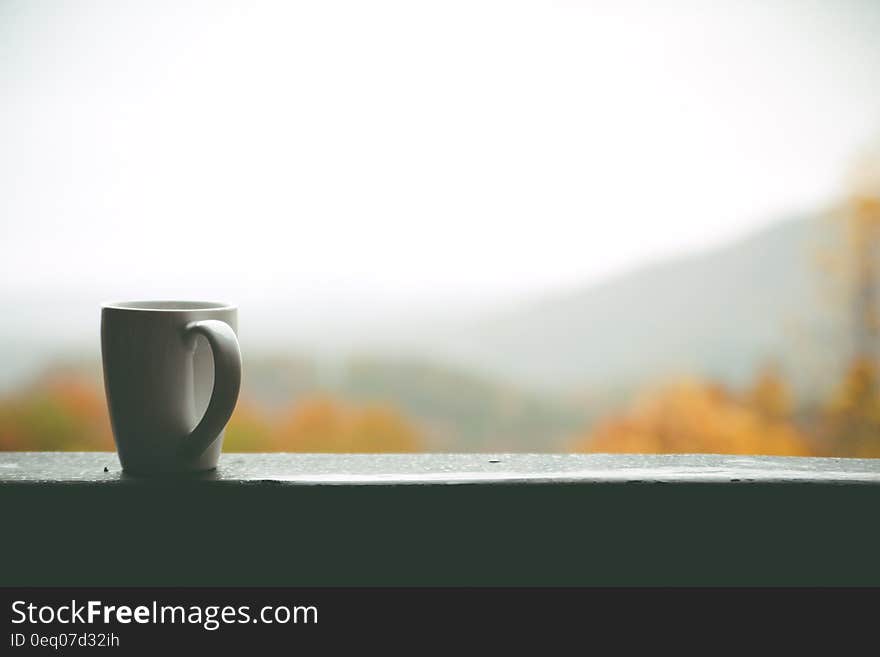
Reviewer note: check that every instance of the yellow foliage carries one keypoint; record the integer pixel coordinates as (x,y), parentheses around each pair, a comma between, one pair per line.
(692,417)
(858,393)
(852,415)
(69,413)
(249,430)
(769,395)
(326,425)
(60,413)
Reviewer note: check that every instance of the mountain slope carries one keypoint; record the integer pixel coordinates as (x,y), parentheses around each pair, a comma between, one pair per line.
(720,313)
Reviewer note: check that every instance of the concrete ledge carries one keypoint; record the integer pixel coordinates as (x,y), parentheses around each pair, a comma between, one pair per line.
(400,469)
(436,520)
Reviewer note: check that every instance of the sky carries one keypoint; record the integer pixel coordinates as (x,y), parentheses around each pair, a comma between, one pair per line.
(317,152)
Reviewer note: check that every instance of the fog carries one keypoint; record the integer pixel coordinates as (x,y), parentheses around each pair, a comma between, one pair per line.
(331,156)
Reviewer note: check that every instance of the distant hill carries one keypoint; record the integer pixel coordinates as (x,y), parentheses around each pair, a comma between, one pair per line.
(719,313)
(529,377)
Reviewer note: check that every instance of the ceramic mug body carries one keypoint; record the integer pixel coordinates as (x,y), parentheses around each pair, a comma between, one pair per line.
(172,372)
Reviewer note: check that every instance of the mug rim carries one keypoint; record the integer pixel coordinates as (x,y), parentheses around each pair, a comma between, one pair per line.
(166,305)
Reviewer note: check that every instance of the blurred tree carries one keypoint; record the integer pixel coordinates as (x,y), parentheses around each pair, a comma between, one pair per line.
(59,412)
(851,423)
(770,395)
(249,430)
(327,425)
(313,425)
(68,413)
(698,418)
(861,217)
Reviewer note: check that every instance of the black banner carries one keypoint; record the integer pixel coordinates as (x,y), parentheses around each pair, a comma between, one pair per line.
(125,621)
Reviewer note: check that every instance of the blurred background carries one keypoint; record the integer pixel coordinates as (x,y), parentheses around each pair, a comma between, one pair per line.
(467,226)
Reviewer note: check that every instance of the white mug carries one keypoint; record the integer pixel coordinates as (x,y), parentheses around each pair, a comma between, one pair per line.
(167,410)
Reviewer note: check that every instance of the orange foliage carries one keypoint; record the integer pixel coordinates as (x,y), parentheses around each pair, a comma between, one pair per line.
(326,425)
(65,412)
(249,430)
(852,416)
(690,417)
(60,413)
(769,395)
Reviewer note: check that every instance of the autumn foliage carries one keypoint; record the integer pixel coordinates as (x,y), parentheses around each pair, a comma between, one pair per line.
(690,416)
(62,412)
(65,412)
(68,412)
(851,422)
(322,424)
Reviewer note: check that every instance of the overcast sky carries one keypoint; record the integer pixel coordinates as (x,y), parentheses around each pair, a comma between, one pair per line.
(324,149)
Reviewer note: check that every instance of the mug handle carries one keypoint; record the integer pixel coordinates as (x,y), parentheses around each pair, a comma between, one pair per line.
(227,382)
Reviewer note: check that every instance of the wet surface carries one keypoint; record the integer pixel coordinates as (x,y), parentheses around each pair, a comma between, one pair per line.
(393,469)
